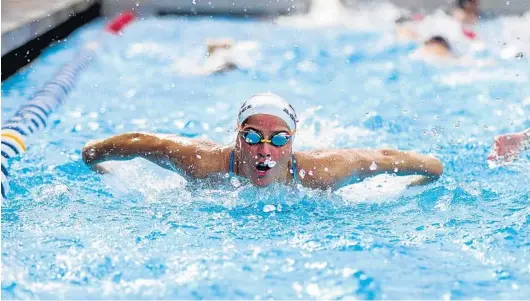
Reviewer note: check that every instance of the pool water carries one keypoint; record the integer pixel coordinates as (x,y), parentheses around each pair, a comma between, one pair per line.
(143,232)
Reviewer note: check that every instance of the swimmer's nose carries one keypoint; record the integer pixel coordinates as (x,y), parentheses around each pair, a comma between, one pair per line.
(265,149)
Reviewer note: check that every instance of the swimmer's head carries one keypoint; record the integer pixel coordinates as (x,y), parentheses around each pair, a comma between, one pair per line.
(437,46)
(438,40)
(467,4)
(266,128)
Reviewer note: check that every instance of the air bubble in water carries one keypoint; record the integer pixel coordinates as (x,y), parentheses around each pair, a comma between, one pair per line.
(373,166)
(199,156)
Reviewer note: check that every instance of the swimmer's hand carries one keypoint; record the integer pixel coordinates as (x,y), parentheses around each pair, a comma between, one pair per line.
(508,147)
(90,156)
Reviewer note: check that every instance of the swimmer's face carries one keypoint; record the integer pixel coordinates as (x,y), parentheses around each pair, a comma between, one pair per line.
(253,157)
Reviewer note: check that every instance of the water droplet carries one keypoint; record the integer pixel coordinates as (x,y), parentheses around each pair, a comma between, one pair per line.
(326,169)
(396,169)
(373,166)
(302,173)
(269,208)
(270,163)
(199,156)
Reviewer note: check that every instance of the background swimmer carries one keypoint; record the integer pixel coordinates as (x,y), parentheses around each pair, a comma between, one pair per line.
(466,11)
(218,56)
(222,55)
(405,29)
(435,48)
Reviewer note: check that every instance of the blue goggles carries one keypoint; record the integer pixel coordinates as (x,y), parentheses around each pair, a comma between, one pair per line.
(252,138)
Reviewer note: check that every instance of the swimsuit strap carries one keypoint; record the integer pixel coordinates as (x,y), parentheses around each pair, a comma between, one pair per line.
(231,168)
(293,167)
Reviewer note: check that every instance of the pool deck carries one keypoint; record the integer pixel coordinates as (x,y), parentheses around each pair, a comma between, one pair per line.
(202,7)
(24,20)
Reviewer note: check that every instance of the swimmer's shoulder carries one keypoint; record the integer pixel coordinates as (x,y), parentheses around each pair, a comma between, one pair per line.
(213,158)
(205,157)
(201,147)
(317,157)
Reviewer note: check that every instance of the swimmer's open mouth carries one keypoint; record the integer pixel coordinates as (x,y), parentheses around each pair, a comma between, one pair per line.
(261,166)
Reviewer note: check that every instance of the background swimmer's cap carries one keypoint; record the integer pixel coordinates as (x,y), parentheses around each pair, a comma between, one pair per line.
(269,104)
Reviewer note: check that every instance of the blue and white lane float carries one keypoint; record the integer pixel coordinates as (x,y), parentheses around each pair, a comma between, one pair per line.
(33,116)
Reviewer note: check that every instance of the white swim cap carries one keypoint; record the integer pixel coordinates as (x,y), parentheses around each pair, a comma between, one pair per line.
(269,104)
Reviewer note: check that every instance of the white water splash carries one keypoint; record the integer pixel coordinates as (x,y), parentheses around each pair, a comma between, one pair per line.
(270,163)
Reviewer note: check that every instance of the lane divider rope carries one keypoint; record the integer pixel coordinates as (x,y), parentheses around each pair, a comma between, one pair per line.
(33,116)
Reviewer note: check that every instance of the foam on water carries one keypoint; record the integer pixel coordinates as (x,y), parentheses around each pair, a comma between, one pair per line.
(144,232)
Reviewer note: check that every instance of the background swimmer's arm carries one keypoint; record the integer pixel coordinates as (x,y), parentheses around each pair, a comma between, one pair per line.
(193,158)
(507,147)
(336,168)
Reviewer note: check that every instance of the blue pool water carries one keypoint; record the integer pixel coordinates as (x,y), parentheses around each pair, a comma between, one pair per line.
(142,233)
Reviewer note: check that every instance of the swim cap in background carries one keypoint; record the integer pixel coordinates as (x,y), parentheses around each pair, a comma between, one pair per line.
(269,104)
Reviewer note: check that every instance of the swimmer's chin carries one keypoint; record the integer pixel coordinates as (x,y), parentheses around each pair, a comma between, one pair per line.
(262,182)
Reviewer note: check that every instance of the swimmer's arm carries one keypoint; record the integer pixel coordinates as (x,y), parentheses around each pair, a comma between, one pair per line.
(507,147)
(189,157)
(336,168)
